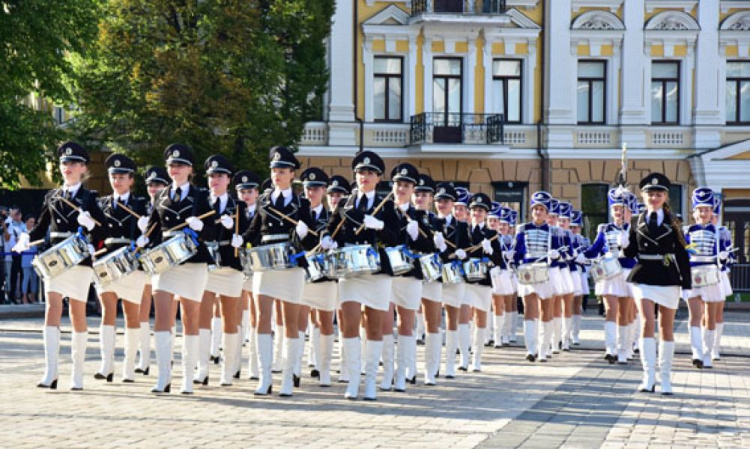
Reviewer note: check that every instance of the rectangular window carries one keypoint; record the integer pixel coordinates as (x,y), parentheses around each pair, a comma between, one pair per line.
(675,201)
(387,82)
(506,83)
(592,83)
(738,93)
(665,93)
(594,206)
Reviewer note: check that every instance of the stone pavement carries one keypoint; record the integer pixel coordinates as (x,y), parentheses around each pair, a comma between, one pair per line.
(576,400)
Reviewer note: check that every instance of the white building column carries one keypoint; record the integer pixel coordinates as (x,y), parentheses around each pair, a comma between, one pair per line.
(427,66)
(469,89)
(635,76)
(491,105)
(341,84)
(559,83)
(411,77)
(368,62)
(708,63)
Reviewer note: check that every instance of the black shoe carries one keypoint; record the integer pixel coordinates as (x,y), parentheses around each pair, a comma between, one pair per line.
(652,390)
(201,382)
(216,360)
(167,389)
(413,380)
(51,386)
(268,392)
(437,375)
(315,373)
(284,395)
(186,393)
(297,380)
(698,363)
(146,371)
(237,374)
(128,381)
(461,368)
(138,371)
(530,357)
(109,377)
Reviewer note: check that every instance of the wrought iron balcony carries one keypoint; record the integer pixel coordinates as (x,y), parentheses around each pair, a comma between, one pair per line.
(457,7)
(456,128)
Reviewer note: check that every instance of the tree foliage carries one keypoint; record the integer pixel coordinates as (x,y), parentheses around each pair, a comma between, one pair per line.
(224,76)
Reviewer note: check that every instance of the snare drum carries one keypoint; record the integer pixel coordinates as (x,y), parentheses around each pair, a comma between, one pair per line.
(115,266)
(317,267)
(431,267)
(66,254)
(169,254)
(475,269)
(270,257)
(533,273)
(352,261)
(247,265)
(399,261)
(605,268)
(704,275)
(452,273)
(213,250)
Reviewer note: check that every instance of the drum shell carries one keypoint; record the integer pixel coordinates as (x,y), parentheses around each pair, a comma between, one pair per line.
(270,257)
(475,270)
(352,261)
(317,267)
(452,273)
(213,251)
(431,267)
(115,266)
(66,254)
(533,273)
(704,275)
(606,268)
(400,263)
(166,255)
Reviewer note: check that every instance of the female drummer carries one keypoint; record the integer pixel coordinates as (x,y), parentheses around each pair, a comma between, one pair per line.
(726,236)
(246,183)
(156,181)
(319,297)
(613,289)
(415,234)
(569,271)
(663,267)
(580,244)
(63,221)
(362,224)
(455,234)
(537,243)
(485,245)
(176,211)
(226,280)
(560,276)
(432,292)
(503,287)
(514,278)
(707,255)
(126,220)
(461,213)
(282,218)
(497,318)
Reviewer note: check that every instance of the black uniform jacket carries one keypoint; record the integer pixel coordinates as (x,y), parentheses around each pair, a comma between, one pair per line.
(423,244)
(223,236)
(477,235)
(269,227)
(121,224)
(670,271)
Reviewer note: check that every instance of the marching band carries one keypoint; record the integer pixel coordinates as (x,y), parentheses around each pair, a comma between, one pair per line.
(266,266)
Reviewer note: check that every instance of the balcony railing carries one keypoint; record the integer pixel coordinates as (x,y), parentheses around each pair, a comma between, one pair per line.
(457,128)
(458,6)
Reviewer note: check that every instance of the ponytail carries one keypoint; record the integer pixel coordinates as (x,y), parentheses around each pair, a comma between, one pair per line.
(673,223)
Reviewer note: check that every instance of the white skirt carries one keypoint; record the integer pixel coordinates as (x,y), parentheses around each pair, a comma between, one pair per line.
(73,283)
(628,285)
(226,282)
(186,281)
(247,283)
(453,294)
(502,283)
(372,291)
(433,291)
(584,282)
(664,295)
(726,286)
(407,292)
(321,295)
(567,281)
(129,288)
(575,276)
(286,285)
(479,296)
(514,279)
(614,286)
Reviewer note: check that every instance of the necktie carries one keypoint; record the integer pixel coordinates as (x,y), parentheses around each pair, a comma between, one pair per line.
(279,203)
(362,206)
(653,223)
(177,195)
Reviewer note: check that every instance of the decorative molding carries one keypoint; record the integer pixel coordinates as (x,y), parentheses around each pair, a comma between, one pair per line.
(613,5)
(727,5)
(672,21)
(597,20)
(739,21)
(388,16)
(521,20)
(685,5)
(527,4)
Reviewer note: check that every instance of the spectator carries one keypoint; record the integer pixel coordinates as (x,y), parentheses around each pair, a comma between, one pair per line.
(3,216)
(30,281)
(14,228)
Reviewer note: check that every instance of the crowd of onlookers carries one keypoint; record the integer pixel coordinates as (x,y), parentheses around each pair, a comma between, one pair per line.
(18,279)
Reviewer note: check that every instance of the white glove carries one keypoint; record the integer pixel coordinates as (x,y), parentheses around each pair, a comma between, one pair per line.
(554,254)
(143,223)
(723,255)
(487,247)
(373,223)
(227,221)
(461,254)
(195,223)
(326,242)
(439,241)
(623,239)
(301,229)
(237,241)
(509,254)
(91,249)
(22,244)
(85,220)
(413,230)
(142,241)
(581,259)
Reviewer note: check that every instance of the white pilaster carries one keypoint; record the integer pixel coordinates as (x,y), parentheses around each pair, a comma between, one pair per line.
(559,85)
(468,80)
(368,61)
(491,104)
(411,77)
(708,64)
(341,84)
(636,72)
(427,64)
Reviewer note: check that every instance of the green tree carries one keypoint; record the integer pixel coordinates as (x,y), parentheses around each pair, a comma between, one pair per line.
(36,39)
(224,76)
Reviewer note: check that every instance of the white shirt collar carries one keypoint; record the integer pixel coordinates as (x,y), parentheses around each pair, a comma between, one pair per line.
(251,209)
(124,197)
(480,225)
(404,207)
(286,192)
(370,195)
(72,189)
(318,209)
(185,187)
(659,216)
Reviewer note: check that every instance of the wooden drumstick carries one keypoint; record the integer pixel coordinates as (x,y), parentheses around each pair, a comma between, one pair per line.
(476,247)
(290,219)
(78,208)
(129,210)
(150,230)
(100,252)
(335,231)
(36,243)
(377,209)
(200,217)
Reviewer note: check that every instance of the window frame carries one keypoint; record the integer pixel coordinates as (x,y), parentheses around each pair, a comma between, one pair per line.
(738,96)
(504,82)
(459,77)
(590,225)
(388,77)
(590,81)
(664,82)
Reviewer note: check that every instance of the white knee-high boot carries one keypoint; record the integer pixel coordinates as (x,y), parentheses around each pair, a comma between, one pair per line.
(51,336)
(479,335)
(205,338)
(576,337)
(696,344)
(163,347)
(245,327)
(264,343)
(228,365)
(312,354)
(464,340)
(567,332)
(237,363)
(420,327)
(352,349)
(292,355)
(278,347)
(388,362)
(374,350)
(622,344)
(323,358)
(648,359)
(78,355)
(514,326)
(343,370)
(190,345)
(144,348)
(556,334)
(498,330)
(404,349)
(107,351)
(216,331)
(411,368)
(666,354)
(530,333)
(610,341)
(451,343)
(252,336)
(131,349)
(545,337)
(716,349)
(297,366)
(708,343)
(363,350)
(432,345)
